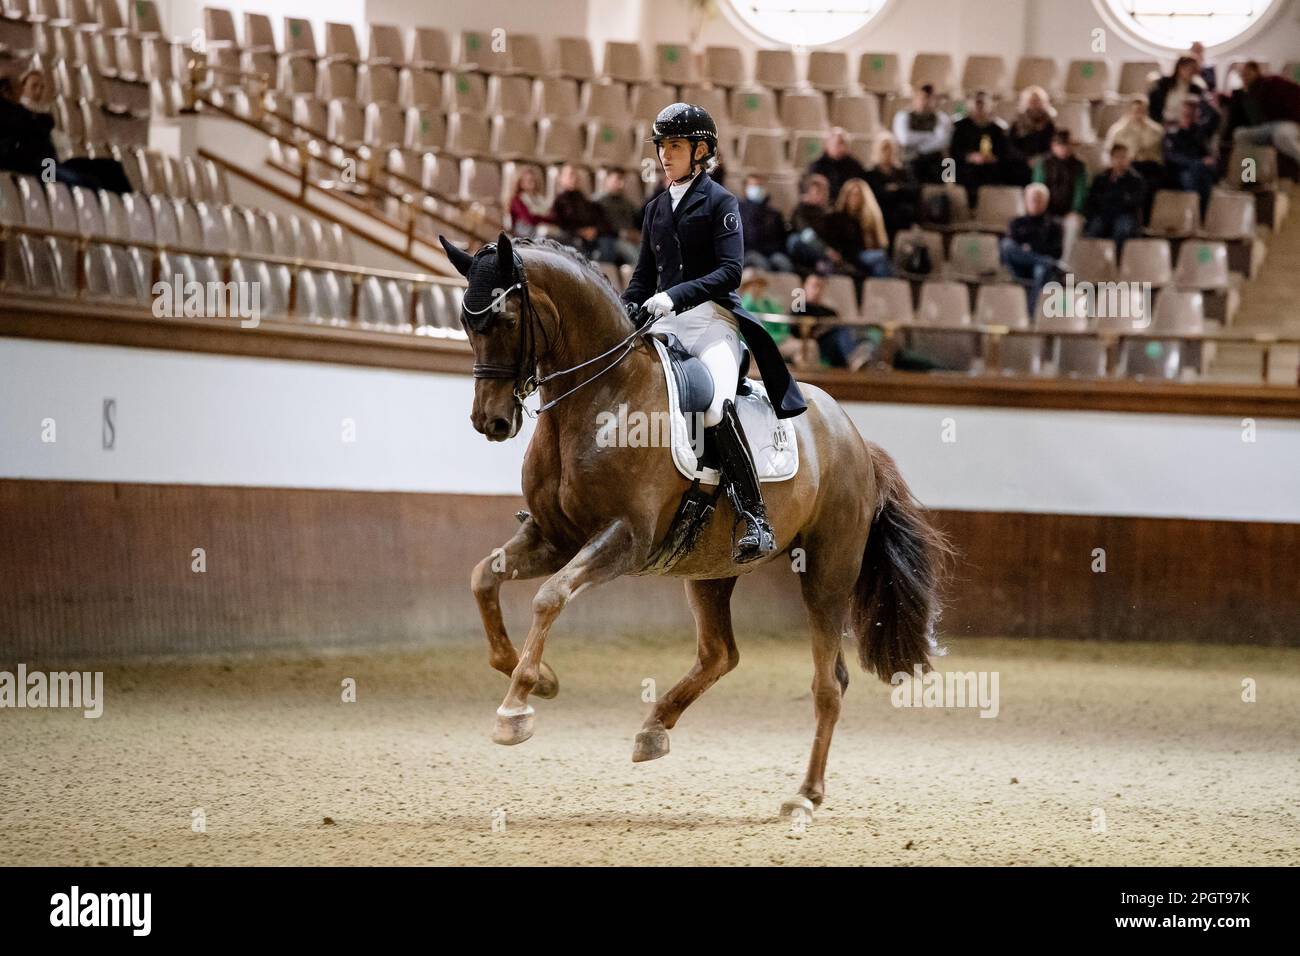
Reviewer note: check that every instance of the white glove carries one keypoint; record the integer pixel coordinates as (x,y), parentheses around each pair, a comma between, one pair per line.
(659,305)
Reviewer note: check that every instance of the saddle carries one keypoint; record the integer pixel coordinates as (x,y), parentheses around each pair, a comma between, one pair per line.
(772,444)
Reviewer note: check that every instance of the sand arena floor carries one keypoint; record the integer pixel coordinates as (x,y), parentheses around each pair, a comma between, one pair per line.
(1157,738)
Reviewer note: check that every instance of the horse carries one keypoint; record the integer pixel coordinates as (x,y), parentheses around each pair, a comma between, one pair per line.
(870,561)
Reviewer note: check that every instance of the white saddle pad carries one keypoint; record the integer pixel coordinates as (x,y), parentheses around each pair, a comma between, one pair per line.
(772,440)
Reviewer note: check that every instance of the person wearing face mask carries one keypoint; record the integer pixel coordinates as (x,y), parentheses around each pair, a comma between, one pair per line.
(686,281)
(765,229)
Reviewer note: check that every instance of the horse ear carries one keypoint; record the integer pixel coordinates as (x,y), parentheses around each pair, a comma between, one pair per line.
(458,256)
(505,256)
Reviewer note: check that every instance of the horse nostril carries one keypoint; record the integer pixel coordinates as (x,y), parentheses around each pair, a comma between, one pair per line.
(499,428)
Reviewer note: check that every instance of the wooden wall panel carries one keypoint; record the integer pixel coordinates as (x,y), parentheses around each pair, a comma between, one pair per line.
(104,570)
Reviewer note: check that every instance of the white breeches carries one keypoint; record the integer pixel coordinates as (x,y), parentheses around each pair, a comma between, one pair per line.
(711,333)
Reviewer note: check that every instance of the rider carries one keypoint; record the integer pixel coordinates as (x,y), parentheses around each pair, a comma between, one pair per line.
(686,277)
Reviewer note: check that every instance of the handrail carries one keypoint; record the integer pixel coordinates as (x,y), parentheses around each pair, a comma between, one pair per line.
(364,154)
(991,336)
(418,281)
(405,200)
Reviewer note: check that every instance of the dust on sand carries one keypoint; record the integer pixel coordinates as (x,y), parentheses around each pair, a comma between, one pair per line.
(1100,754)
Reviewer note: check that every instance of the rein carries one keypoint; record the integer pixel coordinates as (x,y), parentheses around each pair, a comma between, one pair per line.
(524,371)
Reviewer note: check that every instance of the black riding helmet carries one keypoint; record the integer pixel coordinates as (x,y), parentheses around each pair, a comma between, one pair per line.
(689,122)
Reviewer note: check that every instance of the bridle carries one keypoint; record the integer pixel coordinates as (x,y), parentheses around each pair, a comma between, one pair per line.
(524,371)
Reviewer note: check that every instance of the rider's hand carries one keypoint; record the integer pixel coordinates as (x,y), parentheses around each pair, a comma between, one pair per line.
(659,305)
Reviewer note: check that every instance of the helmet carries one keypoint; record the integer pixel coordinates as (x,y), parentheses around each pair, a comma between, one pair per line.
(686,121)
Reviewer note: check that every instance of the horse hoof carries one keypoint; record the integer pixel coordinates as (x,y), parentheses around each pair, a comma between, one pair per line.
(798,806)
(513,729)
(548,685)
(650,745)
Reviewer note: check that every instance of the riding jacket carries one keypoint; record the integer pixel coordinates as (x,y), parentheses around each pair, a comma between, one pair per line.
(695,253)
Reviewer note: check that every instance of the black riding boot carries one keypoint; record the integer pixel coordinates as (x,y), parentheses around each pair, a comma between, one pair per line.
(740,480)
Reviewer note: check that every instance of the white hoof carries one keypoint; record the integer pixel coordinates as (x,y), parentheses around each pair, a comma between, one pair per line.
(798,806)
(513,727)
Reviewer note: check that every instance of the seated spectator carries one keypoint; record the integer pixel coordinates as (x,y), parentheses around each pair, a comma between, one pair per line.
(1165,99)
(896,190)
(1031,132)
(622,216)
(981,148)
(581,222)
(1114,204)
(1142,136)
(835,343)
(806,245)
(856,230)
(924,134)
(25,142)
(755,299)
(31,91)
(1031,249)
(27,145)
(837,164)
(1064,175)
(1189,155)
(764,229)
(1266,112)
(1203,69)
(529,206)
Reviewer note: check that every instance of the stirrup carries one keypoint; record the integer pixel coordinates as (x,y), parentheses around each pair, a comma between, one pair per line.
(758,539)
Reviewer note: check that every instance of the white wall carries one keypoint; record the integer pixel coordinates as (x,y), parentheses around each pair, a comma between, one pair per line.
(218,420)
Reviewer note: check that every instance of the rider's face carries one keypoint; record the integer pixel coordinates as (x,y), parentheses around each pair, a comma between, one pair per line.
(675,155)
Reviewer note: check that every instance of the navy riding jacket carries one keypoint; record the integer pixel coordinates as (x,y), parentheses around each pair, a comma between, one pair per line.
(695,253)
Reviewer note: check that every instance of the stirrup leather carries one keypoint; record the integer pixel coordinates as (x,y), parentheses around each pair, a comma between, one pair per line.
(740,479)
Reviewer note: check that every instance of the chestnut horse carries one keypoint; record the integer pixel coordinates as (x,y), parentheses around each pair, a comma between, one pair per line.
(539,315)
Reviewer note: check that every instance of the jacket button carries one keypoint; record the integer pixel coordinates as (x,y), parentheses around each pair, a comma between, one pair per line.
(661,268)
(656,247)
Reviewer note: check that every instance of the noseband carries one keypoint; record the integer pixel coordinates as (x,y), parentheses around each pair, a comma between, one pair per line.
(524,371)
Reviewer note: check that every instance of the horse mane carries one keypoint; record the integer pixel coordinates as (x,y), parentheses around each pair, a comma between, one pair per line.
(577,257)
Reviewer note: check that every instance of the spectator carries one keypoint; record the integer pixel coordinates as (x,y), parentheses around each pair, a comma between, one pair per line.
(1064,175)
(924,134)
(1165,100)
(1266,112)
(1114,205)
(894,186)
(755,299)
(622,216)
(806,245)
(31,91)
(1031,249)
(764,229)
(581,222)
(835,342)
(981,148)
(529,207)
(1032,130)
(837,164)
(1205,71)
(25,142)
(856,230)
(1143,138)
(1189,156)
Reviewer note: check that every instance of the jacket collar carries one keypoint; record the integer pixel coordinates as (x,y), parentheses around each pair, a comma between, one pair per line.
(695,195)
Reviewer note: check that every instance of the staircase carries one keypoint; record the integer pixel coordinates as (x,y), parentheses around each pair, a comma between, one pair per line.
(1270,304)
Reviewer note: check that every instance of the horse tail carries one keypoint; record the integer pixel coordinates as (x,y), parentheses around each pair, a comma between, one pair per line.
(896,602)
